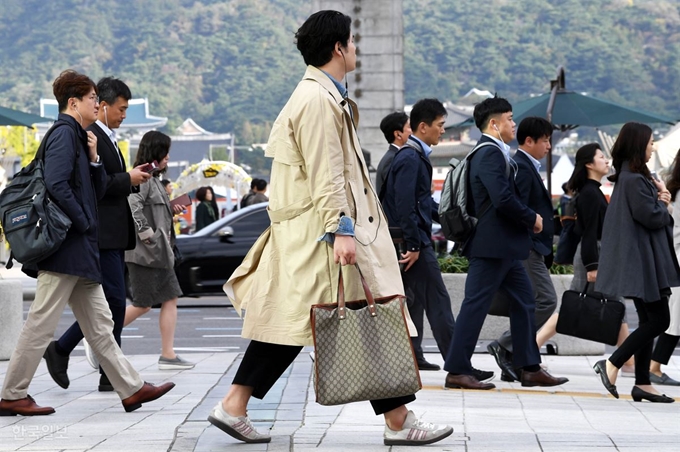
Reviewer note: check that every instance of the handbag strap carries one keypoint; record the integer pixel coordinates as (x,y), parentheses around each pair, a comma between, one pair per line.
(342,310)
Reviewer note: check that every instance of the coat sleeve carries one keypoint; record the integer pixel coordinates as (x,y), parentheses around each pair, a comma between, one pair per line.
(588,214)
(492,175)
(318,130)
(403,178)
(136,201)
(99,179)
(644,204)
(118,184)
(60,158)
(201,216)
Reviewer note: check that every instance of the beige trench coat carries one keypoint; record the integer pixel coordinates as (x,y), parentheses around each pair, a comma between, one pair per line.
(318,175)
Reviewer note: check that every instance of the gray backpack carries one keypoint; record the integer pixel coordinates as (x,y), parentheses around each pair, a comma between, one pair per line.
(457,223)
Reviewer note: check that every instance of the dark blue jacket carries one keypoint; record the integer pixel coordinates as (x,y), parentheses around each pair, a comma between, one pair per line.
(408,199)
(77,197)
(533,194)
(503,230)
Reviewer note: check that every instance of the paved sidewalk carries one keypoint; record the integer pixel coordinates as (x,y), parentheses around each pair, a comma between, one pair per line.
(578,416)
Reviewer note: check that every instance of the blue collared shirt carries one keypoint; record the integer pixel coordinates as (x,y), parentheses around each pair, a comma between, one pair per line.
(426,149)
(504,147)
(341,89)
(535,162)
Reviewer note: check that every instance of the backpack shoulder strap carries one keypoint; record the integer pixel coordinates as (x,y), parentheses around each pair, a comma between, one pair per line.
(40,153)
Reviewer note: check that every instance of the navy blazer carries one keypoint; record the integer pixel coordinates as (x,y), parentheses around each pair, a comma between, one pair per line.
(116,228)
(384,168)
(533,194)
(407,201)
(502,232)
(79,253)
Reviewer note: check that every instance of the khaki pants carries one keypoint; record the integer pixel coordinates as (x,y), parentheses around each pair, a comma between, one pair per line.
(90,308)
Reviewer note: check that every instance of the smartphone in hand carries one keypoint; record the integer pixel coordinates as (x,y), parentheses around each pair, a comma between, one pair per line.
(151,168)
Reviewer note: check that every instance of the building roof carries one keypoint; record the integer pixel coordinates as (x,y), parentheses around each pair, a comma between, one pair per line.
(137,116)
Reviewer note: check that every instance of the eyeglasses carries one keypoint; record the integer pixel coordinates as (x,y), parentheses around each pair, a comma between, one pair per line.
(95,99)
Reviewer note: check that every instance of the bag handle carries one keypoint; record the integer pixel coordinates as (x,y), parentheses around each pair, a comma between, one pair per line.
(342,310)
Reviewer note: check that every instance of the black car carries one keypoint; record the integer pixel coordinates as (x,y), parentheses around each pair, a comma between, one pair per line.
(211,255)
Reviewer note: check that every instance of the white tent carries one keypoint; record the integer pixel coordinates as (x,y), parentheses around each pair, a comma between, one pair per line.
(666,149)
(561,173)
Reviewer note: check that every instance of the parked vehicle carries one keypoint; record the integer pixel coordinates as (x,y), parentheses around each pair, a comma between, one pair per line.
(212,254)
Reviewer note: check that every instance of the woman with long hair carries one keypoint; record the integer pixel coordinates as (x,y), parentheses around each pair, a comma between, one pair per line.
(667,342)
(151,263)
(591,205)
(636,259)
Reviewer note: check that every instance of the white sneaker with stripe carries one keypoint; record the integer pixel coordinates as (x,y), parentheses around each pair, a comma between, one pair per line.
(416,432)
(238,427)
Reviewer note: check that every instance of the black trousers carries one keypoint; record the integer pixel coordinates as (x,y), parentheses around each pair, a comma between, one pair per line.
(264,363)
(654,318)
(427,294)
(664,348)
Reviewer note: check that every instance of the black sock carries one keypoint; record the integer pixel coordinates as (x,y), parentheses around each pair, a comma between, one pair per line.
(532,368)
(60,351)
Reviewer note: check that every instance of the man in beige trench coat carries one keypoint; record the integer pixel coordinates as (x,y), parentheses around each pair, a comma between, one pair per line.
(324,211)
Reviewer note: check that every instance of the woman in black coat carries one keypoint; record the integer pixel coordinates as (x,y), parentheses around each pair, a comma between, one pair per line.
(637,259)
(205,211)
(591,206)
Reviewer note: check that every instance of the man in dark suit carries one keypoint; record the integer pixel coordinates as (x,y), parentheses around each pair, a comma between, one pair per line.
(397,129)
(533,136)
(408,204)
(496,250)
(116,229)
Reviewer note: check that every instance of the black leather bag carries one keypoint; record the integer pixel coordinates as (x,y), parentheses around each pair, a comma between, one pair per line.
(590,316)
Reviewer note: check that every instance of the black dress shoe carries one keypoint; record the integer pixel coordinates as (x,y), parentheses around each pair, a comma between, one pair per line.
(501,357)
(483,375)
(601,368)
(57,365)
(541,378)
(424,365)
(506,377)
(104,384)
(639,395)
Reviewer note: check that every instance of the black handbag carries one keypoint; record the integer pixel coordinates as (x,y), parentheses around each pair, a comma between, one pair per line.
(590,316)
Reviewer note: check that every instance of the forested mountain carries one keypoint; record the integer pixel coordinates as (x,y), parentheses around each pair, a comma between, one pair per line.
(231,64)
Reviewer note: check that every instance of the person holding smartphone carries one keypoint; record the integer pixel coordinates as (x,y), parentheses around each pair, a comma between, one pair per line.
(151,263)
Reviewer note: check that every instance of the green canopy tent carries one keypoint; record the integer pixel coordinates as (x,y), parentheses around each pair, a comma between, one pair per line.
(567,110)
(10,117)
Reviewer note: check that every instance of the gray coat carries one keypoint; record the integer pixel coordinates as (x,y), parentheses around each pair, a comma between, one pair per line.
(637,258)
(152,216)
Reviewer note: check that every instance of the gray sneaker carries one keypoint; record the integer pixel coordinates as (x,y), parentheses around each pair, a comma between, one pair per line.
(415,432)
(238,427)
(174,364)
(664,380)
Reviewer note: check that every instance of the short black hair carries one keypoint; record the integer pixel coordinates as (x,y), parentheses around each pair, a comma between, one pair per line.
(534,127)
(261,184)
(394,122)
(316,38)
(166,182)
(426,110)
(253,183)
(110,89)
(488,108)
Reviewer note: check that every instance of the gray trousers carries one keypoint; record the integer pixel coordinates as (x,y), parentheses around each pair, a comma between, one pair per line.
(544,294)
(92,312)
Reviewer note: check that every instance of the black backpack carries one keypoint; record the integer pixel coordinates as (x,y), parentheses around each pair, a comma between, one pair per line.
(33,224)
(457,223)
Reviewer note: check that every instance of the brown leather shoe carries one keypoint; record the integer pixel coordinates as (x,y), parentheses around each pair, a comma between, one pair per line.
(148,393)
(465,382)
(24,407)
(541,378)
